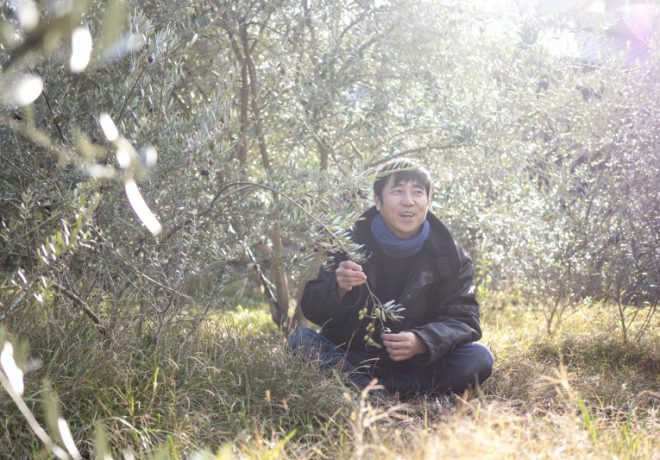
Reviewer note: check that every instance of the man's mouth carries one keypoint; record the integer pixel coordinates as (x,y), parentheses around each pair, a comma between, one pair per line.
(407,214)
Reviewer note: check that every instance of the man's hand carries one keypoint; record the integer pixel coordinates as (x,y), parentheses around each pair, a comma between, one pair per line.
(403,345)
(348,274)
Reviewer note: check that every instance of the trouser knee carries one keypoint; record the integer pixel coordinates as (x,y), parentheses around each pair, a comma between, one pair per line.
(467,365)
(302,337)
(483,361)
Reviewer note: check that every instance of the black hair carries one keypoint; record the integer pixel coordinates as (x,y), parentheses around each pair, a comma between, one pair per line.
(403,171)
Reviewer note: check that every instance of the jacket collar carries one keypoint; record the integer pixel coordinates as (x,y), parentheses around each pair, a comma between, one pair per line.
(440,244)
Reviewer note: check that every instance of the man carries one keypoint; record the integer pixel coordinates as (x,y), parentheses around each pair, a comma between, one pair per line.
(414,262)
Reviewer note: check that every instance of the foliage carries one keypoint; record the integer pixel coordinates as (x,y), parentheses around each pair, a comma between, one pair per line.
(244,135)
(544,164)
(543,188)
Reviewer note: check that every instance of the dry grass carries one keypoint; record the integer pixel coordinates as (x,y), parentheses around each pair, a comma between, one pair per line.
(228,389)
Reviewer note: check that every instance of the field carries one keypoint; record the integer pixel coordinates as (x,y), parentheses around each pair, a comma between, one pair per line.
(226,388)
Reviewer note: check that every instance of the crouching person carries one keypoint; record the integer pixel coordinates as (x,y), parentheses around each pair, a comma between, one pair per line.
(429,345)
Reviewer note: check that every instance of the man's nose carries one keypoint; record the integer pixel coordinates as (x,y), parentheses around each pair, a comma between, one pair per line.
(407,199)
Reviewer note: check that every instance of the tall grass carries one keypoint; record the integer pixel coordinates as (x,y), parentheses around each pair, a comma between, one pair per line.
(226,388)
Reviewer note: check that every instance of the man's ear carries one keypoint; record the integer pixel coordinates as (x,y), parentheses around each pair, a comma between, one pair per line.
(377,202)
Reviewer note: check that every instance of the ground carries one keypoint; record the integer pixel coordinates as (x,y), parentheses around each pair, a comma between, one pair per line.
(227,388)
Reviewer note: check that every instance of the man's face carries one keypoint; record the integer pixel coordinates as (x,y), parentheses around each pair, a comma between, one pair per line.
(403,207)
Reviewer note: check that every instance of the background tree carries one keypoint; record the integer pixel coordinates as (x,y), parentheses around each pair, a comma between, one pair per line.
(209,151)
(264,115)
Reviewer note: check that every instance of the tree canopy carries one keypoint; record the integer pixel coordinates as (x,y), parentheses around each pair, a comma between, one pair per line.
(248,132)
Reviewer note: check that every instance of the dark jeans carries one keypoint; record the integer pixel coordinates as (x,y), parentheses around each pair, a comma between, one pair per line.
(464,366)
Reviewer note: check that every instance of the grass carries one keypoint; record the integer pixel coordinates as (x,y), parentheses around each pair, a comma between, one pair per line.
(226,388)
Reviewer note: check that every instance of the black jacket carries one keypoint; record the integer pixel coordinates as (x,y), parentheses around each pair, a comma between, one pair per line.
(438,297)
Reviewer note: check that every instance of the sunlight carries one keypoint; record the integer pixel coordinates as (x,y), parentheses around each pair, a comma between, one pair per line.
(26,90)
(599,7)
(67,438)
(141,208)
(559,43)
(108,126)
(123,154)
(27,13)
(149,156)
(81,49)
(455,197)
(11,370)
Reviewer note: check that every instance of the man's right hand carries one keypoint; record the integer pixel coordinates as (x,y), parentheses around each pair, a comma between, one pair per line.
(348,274)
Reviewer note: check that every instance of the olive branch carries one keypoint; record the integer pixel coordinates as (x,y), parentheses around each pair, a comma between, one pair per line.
(381,312)
(379,315)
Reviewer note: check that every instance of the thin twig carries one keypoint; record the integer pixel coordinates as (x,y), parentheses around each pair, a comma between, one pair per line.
(85,308)
(165,287)
(50,107)
(264,281)
(129,96)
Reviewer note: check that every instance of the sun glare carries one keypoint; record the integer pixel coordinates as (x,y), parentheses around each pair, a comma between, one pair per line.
(25,90)
(81,49)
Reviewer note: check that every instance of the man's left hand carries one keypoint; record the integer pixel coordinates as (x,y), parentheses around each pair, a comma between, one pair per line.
(403,345)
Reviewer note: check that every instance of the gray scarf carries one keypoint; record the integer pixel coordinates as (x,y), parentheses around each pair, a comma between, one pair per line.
(394,246)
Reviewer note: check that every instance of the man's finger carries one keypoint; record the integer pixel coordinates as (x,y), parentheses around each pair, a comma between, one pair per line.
(349,274)
(350,265)
(354,282)
(346,272)
(354,275)
(391,344)
(400,351)
(394,337)
(351,279)
(398,356)
(396,347)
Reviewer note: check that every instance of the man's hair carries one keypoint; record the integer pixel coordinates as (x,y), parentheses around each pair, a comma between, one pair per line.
(403,171)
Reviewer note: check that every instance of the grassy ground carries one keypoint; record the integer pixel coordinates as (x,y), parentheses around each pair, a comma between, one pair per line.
(226,388)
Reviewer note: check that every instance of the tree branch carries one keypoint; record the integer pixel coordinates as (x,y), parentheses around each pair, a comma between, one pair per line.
(85,308)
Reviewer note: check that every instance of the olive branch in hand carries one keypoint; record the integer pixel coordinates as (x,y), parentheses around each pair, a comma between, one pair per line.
(379,315)
(381,312)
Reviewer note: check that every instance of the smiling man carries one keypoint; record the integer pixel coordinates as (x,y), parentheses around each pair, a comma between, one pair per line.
(415,263)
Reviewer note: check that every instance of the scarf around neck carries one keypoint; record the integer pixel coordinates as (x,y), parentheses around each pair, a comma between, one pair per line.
(392,245)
